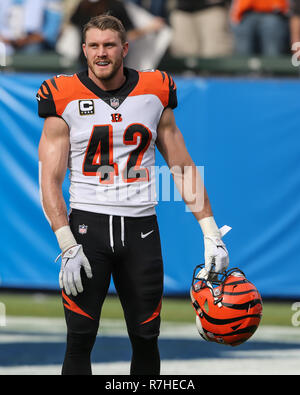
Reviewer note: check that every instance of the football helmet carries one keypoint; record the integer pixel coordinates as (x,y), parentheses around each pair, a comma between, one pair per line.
(228,308)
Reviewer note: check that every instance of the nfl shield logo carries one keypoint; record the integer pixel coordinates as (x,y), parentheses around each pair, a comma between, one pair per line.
(82,229)
(114,102)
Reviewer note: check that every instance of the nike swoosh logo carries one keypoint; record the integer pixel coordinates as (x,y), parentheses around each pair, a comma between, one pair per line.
(143,235)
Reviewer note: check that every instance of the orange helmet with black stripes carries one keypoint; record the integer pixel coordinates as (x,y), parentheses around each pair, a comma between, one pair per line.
(229,309)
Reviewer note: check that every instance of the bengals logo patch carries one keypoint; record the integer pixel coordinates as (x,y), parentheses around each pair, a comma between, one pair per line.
(116,117)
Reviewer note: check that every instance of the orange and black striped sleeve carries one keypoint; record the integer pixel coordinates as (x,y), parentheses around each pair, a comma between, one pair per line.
(173,102)
(158,83)
(46,103)
(170,89)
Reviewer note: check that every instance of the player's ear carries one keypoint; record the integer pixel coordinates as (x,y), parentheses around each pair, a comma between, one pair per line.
(125,49)
(84,49)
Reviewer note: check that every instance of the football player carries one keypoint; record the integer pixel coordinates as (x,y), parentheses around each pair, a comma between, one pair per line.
(103,124)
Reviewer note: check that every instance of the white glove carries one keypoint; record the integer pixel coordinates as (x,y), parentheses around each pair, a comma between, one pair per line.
(71,262)
(216,254)
(215,251)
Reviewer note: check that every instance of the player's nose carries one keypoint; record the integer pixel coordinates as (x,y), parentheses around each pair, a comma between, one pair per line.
(102,52)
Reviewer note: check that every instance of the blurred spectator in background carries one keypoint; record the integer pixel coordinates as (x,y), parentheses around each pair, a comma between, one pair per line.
(295,25)
(200,28)
(260,27)
(30,26)
(156,7)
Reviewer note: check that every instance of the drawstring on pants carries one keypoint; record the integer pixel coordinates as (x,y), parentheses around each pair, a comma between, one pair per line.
(111,232)
(122,231)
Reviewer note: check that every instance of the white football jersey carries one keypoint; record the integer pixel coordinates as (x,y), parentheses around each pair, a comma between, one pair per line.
(112,138)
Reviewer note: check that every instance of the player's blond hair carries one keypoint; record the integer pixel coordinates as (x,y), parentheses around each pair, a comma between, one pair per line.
(105,22)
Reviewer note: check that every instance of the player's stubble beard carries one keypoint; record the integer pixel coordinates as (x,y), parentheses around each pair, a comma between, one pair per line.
(106,75)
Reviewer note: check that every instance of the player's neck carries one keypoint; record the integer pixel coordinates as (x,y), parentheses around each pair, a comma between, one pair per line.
(109,85)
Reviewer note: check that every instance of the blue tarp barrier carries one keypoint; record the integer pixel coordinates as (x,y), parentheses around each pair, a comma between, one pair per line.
(246,135)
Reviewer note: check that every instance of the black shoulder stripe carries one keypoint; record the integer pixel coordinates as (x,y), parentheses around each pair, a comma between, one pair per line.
(172,93)
(45,90)
(171,83)
(54,83)
(43,87)
(163,75)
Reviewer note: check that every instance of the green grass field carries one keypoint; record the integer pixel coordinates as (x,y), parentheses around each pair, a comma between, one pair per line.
(176,310)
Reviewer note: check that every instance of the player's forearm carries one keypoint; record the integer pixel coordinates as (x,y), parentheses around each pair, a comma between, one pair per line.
(54,205)
(56,212)
(51,197)
(190,184)
(206,208)
(191,187)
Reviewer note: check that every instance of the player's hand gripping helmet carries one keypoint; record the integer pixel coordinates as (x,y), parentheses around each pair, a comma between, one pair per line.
(228,309)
